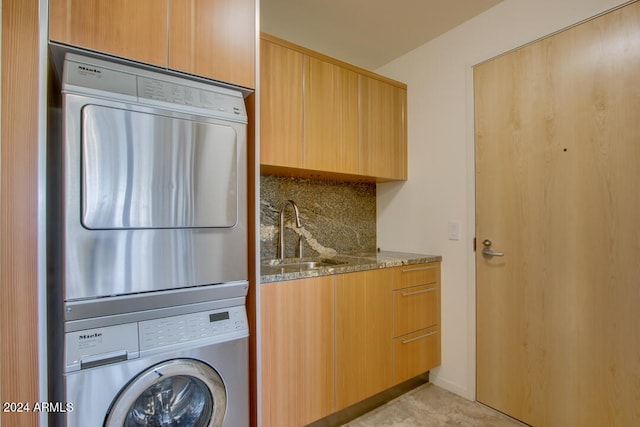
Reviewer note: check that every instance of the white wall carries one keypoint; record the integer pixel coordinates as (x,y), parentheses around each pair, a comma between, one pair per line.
(413,216)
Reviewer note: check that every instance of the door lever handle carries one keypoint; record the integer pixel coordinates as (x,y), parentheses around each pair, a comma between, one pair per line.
(490,252)
(487,249)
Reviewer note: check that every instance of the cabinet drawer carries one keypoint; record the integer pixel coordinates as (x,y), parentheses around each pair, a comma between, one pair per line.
(418,274)
(415,354)
(415,308)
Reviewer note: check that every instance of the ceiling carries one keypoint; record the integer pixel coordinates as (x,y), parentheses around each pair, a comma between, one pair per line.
(366,33)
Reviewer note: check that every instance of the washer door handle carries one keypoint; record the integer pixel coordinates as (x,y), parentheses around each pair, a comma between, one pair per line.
(103,359)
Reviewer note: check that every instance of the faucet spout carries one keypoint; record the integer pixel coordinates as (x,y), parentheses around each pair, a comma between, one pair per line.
(296,212)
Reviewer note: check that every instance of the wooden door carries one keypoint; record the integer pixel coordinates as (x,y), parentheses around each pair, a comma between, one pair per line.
(297,319)
(558,192)
(214,38)
(363,335)
(130,29)
(383,142)
(280,105)
(330,117)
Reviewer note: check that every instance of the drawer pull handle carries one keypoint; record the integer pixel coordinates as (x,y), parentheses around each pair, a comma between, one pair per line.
(428,267)
(428,334)
(422,291)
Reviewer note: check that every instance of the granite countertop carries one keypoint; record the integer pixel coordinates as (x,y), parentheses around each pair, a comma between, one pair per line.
(339,264)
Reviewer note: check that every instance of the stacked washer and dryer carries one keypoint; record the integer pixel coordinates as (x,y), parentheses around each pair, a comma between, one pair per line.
(148,250)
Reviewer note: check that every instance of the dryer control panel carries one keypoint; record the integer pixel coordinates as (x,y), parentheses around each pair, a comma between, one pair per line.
(90,348)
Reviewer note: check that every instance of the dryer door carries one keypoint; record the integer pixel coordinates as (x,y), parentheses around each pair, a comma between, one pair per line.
(176,393)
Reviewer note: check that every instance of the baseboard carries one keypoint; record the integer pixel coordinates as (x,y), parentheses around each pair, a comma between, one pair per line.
(367,405)
(452,387)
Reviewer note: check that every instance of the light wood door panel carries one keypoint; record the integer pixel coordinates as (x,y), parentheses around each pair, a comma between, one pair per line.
(363,335)
(130,29)
(330,117)
(382,129)
(280,105)
(19,226)
(214,38)
(297,351)
(558,191)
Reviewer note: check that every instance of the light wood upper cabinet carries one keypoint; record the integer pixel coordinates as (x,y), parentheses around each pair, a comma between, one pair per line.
(297,345)
(383,146)
(363,335)
(130,29)
(330,117)
(214,38)
(353,120)
(280,105)
(209,38)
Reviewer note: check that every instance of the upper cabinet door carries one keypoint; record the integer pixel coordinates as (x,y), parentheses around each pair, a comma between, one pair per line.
(280,105)
(353,120)
(130,29)
(214,38)
(383,143)
(330,117)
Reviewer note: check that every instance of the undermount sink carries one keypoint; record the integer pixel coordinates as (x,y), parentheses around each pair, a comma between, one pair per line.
(297,264)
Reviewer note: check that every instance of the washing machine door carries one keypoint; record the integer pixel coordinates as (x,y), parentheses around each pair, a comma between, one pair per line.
(175,393)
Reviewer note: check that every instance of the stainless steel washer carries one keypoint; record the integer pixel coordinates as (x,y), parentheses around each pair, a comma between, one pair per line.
(187,369)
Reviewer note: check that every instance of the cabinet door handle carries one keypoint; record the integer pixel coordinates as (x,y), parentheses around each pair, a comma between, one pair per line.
(422,291)
(428,334)
(428,267)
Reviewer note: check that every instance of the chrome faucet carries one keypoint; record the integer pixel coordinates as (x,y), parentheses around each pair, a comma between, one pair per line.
(297,217)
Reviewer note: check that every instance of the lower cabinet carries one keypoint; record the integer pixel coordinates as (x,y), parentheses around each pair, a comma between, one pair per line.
(363,331)
(297,351)
(415,353)
(332,341)
(416,320)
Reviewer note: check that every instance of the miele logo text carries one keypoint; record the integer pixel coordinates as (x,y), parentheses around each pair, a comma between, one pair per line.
(90,336)
(89,69)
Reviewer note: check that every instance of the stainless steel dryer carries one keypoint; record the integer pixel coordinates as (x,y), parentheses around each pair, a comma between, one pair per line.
(151,184)
(180,366)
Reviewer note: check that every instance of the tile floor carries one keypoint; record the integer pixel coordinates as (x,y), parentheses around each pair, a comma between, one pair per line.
(431,406)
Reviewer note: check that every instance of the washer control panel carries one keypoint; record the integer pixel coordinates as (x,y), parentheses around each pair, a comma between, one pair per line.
(91,348)
(189,327)
(100,346)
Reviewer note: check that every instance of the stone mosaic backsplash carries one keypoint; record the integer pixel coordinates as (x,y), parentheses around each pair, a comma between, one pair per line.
(336,217)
